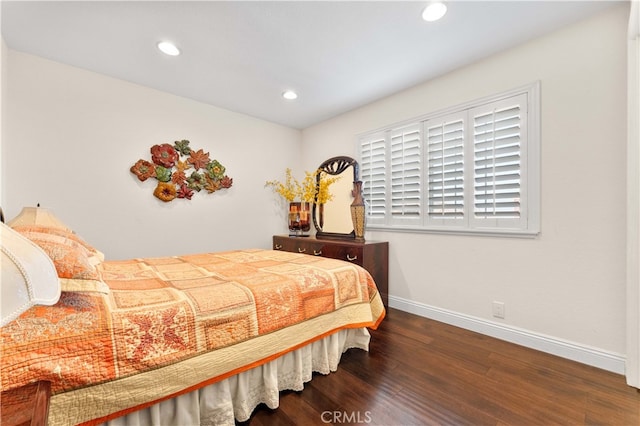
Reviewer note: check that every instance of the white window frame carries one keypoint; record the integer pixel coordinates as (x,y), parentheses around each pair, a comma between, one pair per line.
(523,221)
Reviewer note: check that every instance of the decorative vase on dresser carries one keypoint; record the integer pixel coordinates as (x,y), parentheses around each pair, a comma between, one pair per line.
(371,255)
(357,211)
(299,218)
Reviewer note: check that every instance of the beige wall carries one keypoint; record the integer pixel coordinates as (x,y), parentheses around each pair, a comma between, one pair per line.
(72,135)
(569,283)
(3,62)
(633,199)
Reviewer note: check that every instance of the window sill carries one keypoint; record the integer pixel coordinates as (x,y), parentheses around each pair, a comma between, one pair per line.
(506,233)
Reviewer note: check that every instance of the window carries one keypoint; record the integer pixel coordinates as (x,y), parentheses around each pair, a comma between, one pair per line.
(472,168)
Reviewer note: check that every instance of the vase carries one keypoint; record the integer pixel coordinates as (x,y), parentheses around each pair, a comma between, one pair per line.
(298,218)
(358,211)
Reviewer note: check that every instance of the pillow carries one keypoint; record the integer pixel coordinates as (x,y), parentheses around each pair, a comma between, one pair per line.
(96,255)
(71,260)
(75,260)
(27,275)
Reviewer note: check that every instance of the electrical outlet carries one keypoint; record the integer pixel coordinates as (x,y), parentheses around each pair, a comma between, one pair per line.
(498,309)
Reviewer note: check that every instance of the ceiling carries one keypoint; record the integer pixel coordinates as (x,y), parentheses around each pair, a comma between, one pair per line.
(241,55)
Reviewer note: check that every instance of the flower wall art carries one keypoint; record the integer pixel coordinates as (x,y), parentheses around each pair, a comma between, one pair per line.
(180,171)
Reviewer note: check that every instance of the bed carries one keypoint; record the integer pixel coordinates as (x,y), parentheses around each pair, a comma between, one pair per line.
(191,339)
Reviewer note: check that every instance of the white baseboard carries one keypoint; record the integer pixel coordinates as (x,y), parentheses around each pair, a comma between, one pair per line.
(584,354)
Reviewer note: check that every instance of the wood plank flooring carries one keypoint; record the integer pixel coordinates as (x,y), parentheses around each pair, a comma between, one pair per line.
(422,372)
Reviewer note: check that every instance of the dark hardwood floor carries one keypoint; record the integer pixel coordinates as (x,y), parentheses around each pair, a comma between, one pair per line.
(422,372)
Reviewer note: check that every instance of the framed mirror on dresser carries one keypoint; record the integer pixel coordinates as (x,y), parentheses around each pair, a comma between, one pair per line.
(335,230)
(332,219)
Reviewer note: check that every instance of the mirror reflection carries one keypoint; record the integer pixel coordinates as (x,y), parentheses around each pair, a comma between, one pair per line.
(333,218)
(335,215)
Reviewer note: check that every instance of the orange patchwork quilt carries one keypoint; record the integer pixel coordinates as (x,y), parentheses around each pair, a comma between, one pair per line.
(170,325)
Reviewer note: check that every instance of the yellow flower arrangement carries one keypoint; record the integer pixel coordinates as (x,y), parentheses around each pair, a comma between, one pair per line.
(289,190)
(306,191)
(322,195)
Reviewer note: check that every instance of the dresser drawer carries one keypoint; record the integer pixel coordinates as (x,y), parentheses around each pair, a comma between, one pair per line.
(348,253)
(319,248)
(297,245)
(371,255)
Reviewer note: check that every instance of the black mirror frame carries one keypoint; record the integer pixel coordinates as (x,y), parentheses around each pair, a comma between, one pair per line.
(334,166)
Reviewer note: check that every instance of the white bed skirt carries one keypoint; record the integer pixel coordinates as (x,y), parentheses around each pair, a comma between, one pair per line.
(235,398)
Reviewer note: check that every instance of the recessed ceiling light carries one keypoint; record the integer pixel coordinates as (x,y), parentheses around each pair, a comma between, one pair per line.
(434,11)
(168,48)
(290,95)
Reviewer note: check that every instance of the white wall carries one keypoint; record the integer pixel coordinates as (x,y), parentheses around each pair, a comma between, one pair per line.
(633,199)
(70,137)
(569,283)
(3,62)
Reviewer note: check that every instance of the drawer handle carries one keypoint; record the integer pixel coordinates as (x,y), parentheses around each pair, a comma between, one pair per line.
(351,259)
(301,250)
(317,253)
(278,246)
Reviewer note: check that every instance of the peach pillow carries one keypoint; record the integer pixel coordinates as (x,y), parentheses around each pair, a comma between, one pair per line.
(71,258)
(99,256)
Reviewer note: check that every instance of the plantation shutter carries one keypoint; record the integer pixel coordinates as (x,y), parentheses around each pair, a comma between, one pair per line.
(499,135)
(472,168)
(406,171)
(373,176)
(445,177)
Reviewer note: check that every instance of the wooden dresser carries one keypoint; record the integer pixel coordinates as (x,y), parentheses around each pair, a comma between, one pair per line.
(371,255)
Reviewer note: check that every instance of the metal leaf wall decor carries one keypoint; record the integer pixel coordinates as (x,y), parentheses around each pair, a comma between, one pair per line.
(181,171)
